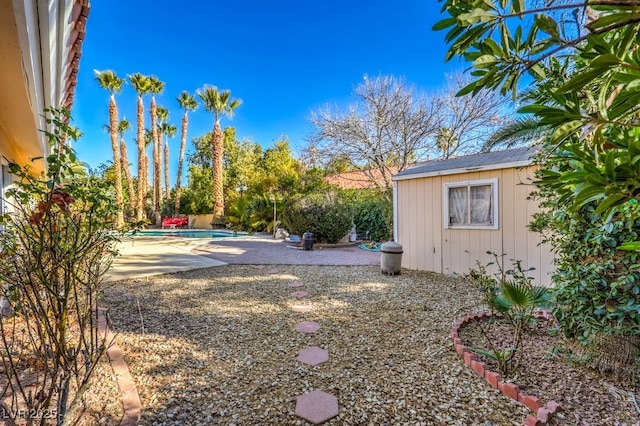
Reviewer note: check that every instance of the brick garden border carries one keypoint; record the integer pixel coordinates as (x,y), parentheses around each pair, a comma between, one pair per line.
(543,412)
(130,397)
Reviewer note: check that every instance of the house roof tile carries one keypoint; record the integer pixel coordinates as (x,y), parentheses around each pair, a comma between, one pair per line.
(358,179)
(79,18)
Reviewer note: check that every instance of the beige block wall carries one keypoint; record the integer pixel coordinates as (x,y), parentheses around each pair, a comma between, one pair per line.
(429,246)
(203,221)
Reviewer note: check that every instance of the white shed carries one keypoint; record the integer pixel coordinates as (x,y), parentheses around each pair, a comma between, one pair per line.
(449,213)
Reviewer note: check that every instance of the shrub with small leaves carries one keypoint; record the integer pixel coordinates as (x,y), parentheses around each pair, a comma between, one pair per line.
(56,247)
(323,214)
(372,213)
(597,290)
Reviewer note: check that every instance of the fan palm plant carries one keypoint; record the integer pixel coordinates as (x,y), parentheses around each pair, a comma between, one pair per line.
(188,103)
(109,81)
(142,86)
(219,103)
(510,295)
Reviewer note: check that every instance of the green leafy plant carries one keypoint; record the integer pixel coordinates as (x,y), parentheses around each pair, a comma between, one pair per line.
(323,214)
(595,299)
(239,214)
(581,63)
(372,213)
(56,247)
(372,219)
(512,299)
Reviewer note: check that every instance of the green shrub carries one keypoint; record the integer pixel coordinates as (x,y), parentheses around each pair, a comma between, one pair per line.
(597,284)
(326,215)
(373,216)
(373,213)
(197,198)
(238,214)
(56,247)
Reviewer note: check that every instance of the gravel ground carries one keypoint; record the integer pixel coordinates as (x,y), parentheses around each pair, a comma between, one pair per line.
(103,399)
(218,346)
(102,402)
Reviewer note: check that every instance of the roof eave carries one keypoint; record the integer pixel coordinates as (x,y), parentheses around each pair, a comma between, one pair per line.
(445,172)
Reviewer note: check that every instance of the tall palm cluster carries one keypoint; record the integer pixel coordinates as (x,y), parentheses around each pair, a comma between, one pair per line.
(156,140)
(219,103)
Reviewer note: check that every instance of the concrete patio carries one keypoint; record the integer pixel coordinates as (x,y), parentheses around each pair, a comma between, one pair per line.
(142,256)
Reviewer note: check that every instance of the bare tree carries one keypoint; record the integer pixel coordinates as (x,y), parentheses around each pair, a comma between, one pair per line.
(467,122)
(391,127)
(387,130)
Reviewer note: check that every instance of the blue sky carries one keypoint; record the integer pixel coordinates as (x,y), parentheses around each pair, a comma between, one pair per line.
(283,58)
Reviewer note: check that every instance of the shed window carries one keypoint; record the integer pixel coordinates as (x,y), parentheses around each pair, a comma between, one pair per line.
(471,204)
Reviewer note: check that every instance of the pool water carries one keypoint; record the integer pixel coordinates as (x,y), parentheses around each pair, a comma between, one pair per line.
(183,234)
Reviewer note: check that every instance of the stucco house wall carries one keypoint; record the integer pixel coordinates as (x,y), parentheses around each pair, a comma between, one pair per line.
(40,51)
(430,243)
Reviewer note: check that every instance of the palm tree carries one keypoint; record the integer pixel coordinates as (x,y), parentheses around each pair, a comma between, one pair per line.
(156,88)
(219,103)
(113,84)
(148,142)
(162,115)
(169,131)
(123,127)
(447,142)
(142,86)
(187,103)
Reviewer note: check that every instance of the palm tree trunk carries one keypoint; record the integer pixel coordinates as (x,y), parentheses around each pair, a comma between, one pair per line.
(146,177)
(142,176)
(218,193)
(127,174)
(156,164)
(117,170)
(183,144)
(167,184)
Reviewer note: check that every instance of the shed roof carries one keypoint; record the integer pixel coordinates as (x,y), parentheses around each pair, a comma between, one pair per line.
(516,157)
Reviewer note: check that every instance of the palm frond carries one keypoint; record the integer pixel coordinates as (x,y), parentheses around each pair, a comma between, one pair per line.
(187,101)
(162,113)
(123,126)
(523,131)
(499,304)
(218,102)
(541,296)
(517,294)
(157,86)
(140,83)
(109,80)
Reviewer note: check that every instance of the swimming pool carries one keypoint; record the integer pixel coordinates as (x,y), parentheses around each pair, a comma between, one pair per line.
(183,233)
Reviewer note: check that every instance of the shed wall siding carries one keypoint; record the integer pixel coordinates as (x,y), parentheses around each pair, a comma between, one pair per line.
(429,246)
